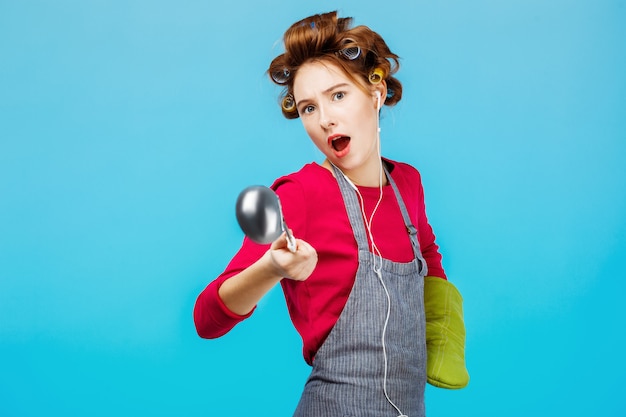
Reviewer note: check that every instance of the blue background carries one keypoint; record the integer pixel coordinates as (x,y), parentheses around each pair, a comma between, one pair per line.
(129,127)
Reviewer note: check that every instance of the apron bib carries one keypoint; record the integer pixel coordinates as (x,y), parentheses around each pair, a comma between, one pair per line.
(348,375)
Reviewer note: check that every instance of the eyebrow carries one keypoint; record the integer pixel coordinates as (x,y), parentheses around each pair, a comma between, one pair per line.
(328,90)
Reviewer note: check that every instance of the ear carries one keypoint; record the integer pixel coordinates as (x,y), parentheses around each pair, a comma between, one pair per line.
(379,91)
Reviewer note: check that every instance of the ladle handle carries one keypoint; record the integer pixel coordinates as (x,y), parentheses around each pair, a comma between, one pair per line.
(291,241)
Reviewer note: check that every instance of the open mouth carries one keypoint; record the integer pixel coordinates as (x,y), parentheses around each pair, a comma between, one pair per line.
(340,143)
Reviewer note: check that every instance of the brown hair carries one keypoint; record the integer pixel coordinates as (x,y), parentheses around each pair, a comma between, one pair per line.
(326,37)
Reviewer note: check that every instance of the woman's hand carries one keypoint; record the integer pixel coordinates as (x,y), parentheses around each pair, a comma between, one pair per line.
(242,291)
(298,265)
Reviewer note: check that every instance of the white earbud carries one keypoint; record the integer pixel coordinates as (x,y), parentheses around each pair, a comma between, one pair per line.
(377,100)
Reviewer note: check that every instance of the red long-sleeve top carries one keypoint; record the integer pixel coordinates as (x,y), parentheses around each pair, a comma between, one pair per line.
(314,209)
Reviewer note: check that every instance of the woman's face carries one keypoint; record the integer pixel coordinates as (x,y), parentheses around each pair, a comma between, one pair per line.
(339,117)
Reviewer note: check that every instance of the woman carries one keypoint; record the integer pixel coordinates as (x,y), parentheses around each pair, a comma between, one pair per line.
(355,285)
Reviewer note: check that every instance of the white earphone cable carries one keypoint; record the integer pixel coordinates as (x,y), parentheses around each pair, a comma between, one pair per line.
(377,256)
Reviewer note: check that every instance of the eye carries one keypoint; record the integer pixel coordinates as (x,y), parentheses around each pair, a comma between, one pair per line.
(308,109)
(339,95)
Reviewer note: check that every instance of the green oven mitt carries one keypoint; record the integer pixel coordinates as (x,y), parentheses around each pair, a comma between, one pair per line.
(445,334)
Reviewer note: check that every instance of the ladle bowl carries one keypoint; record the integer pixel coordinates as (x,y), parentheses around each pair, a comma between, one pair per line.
(260,216)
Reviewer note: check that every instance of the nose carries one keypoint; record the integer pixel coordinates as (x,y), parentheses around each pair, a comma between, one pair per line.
(326,119)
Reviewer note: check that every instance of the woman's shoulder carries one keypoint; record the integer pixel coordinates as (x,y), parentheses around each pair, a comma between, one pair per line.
(308,197)
(402,171)
(309,179)
(309,172)
(309,187)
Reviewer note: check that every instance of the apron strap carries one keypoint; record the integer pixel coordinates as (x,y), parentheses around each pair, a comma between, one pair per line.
(412,230)
(353,207)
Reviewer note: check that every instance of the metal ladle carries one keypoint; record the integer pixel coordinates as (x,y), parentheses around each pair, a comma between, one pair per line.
(260,216)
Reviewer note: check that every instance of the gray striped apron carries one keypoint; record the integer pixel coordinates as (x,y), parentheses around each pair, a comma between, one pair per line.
(348,372)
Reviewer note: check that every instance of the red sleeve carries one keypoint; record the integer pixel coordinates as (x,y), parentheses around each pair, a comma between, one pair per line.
(212,317)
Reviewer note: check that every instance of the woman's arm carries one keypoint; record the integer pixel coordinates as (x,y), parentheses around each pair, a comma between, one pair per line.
(255,270)
(230,299)
(243,291)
